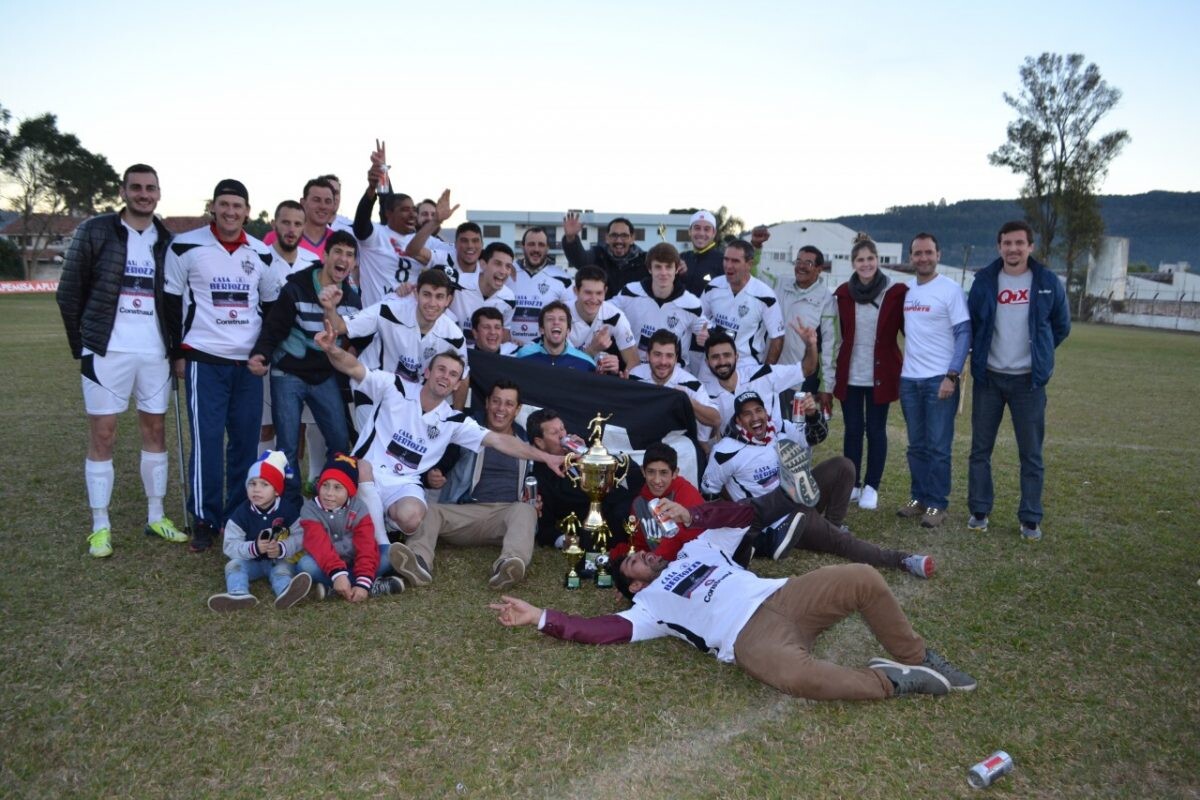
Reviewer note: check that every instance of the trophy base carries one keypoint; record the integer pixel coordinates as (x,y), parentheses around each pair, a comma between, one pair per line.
(571,581)
(603,580)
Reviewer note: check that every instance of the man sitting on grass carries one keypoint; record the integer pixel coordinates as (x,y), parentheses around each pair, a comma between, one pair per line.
(766,626)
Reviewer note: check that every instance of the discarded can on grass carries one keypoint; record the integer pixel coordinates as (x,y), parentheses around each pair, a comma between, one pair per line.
(530,493)
(669,526)
(986,772)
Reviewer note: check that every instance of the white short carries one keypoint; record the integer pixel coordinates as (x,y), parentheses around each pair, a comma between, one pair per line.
(306,416)
(110,380)
(393,489)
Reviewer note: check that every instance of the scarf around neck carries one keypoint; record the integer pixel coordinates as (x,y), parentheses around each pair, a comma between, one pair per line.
(867,292)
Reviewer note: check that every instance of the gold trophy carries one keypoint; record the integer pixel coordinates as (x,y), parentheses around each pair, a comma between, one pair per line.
(571,549)
(596,471)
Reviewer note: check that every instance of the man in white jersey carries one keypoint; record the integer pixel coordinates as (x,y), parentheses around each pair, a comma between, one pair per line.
(745,307)
(111,299)
(487,323)
(410,430)
(662,369)
(535,282)
(319,202)
(659,302)
(383,263)
(488,286)
(215,277)
(598,327)
(765,626)
(937,336)
(728,376)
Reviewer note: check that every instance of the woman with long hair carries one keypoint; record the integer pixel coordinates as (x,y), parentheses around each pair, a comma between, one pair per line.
(871,316)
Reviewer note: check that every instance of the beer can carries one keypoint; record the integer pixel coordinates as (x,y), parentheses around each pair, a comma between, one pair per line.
(530,493)
(798,406)
(986,772)
(669,526)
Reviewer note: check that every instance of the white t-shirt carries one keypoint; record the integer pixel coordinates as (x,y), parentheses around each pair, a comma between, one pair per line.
(532,293)
(701,597)
(751,316)
(403,441)
(931,310)
(582,332)
(469,299)
(681,315)
(399,345)
(382,264)
(135,327)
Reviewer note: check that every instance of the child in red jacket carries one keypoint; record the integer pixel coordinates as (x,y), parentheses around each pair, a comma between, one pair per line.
(660,466)
(341,553)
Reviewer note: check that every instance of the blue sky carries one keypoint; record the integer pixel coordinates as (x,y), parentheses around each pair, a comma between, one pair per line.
(779,112)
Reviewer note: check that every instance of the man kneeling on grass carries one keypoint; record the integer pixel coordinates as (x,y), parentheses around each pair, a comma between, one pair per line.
(766,626)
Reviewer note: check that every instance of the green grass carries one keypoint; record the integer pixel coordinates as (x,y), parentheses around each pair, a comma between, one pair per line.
(115,680)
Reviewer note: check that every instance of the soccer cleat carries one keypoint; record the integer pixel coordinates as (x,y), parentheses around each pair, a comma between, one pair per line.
(508,572)
(914,508)
(933,517)
(231,602)
(795,473)
(921,566)
(389,585)
(977,522)
(959,680)
(409,565)
(296,591)
(1031,533)
(166,529)
(868,499)
(908,680)
(100,543)
(202,537)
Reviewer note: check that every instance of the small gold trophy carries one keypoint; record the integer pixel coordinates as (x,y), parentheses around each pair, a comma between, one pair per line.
(571,549)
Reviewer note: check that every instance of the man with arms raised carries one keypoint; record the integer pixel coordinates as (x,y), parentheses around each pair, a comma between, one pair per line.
(383,263)
(745,307)
(620,258)
(112,305)
(535,282)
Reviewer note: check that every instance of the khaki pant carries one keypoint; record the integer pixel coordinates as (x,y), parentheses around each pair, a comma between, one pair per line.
(775,644)
(510,525)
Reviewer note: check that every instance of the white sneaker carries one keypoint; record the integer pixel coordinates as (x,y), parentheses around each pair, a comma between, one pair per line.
(868,499)
(855,493)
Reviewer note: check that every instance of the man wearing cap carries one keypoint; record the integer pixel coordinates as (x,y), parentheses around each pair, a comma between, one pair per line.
(111,300)
(619,256)
(214,277)
(705,260)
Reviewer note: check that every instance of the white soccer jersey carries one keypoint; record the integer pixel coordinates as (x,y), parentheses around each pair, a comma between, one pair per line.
(681,314)
(278,270)
(768,381)
(221,292)
(403,441)
(582,332)
(399,345)
(685,381)
(532,293)
(751,316)
(743,470)
(701,597)
(135,326)
(469,299)
(382,264)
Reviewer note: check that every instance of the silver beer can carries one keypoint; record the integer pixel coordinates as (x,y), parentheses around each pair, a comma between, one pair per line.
(986,772)
(530,492)
(668,526)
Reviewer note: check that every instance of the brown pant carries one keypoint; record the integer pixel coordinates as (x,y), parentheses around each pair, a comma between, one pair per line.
(510,525)
(775,644)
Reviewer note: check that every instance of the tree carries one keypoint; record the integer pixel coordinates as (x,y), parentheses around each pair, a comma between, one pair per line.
(1050,143)
(729,227)
(260,226)
(54,175)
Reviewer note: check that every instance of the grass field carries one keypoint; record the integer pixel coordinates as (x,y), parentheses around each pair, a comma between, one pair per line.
(116,681)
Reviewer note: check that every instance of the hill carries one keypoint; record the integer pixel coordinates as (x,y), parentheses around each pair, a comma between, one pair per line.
(1160,226)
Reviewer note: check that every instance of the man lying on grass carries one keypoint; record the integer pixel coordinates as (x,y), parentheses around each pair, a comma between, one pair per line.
(766,626)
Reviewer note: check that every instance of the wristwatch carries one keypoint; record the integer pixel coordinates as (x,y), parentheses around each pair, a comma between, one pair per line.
(952,376)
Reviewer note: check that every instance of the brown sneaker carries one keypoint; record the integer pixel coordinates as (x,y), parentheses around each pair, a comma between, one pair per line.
(915,508)
(933,517)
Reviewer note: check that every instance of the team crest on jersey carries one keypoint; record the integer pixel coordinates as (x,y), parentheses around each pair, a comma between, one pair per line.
(247,266)
(672,321)
(137,302)
(743,310)
(433,431)
(232,314)
(543,287)
(430,352)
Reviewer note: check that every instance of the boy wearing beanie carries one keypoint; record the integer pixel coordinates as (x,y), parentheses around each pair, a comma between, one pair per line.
(259,540)
(341,554)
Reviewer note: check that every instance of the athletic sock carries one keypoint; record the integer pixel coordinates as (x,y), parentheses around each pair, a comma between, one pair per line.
(314,444)
(370,496)
(154,481)
(99,478)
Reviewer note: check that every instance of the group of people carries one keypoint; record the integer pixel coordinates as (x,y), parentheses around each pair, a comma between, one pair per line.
(350,338)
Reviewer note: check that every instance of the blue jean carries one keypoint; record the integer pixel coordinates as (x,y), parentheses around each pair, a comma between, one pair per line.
(930,424)
(224,416)
(289,395)
(859,412)
(1027,408)
(240,571)
(309,564)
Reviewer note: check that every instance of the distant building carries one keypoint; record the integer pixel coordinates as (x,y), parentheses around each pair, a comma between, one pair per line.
(833,239)
(648,229)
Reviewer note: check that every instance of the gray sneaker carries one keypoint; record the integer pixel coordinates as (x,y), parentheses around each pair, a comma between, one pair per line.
(1031,533)
(389,585)
(409,565)
(231,602)
(795,473)
(933,517)
(296,591)
(907,679)
(977,522)
(507,572)
(959,680)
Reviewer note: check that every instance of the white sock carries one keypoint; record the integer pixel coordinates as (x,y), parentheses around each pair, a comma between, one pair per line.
(98,475)
(314,444)
(370,496)
(154,481)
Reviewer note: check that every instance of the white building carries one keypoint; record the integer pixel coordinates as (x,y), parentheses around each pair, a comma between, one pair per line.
(648,229)
(831,238)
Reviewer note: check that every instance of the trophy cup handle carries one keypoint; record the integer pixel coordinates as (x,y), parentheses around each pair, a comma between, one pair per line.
(571,468)
(622,468)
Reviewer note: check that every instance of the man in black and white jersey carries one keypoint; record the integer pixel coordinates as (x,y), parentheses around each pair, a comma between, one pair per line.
(745,307)
(662,369)
(535,283)
(111,300)
(598,327)
(488,286)
(660,301)
(383,263)
(215,277)
(728,375)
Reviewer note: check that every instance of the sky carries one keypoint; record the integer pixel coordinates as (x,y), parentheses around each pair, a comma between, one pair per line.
(778,111)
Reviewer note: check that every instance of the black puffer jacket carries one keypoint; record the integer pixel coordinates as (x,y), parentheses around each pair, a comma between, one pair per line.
(629,268)
(91,281)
